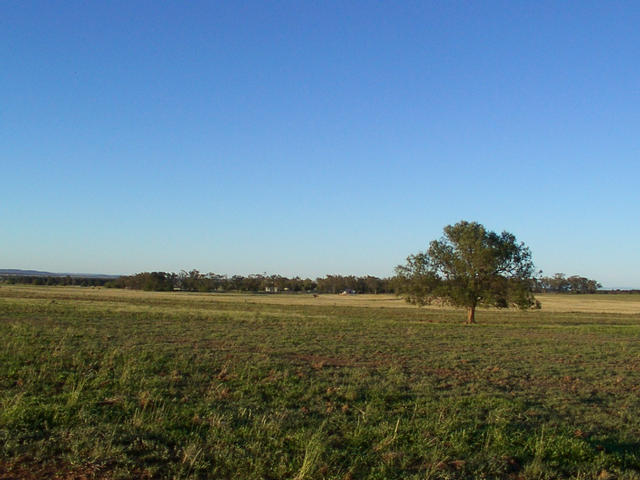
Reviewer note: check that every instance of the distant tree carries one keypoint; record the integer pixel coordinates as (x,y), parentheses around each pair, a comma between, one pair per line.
(469,267)
(560,283)
(195,281)
(373,284)
(308,285)
(580,284)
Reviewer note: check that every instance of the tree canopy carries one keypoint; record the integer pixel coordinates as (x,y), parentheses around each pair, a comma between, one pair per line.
(470,267)
(195,281)
(560,283)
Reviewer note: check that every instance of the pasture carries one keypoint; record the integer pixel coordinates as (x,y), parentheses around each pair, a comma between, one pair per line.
(103,383)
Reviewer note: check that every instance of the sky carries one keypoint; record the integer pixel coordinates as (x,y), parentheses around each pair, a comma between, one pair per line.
(311,138)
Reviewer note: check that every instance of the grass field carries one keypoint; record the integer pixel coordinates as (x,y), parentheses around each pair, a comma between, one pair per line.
(100,383)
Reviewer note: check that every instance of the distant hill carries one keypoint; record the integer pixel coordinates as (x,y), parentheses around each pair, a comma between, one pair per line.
(36,273)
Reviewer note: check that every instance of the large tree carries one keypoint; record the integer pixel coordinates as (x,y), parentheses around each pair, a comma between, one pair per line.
(470,267)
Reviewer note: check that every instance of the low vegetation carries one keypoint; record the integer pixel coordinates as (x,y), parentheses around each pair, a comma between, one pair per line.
(195,281)
(105,383)
(560,283)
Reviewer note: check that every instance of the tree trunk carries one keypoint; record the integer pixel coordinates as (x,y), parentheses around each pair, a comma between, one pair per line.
(471,315)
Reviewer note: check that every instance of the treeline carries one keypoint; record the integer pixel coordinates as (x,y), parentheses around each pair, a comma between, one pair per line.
(560,283)
(54,280)
(194,281)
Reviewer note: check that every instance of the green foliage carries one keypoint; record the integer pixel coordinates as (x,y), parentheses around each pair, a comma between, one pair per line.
(62,280)
(195,281)
(559,283)
(470,267)
(113,384)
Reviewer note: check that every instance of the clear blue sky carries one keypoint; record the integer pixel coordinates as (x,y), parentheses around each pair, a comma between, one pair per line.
(317,137)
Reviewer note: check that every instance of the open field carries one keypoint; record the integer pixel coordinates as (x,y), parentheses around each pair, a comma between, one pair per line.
(100,383)
(614,303)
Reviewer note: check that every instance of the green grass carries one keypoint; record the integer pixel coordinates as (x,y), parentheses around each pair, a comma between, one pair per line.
(108,384)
